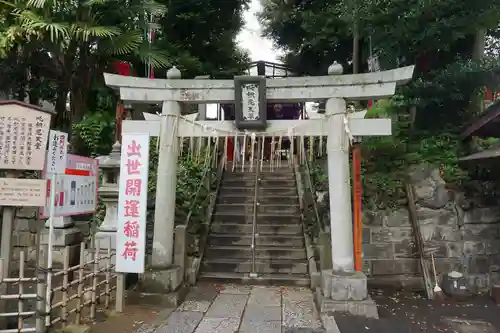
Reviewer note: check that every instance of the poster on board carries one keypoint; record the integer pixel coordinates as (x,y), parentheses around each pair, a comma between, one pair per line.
(76,166)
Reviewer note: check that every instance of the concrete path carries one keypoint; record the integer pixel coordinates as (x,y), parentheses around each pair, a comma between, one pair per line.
(243,309)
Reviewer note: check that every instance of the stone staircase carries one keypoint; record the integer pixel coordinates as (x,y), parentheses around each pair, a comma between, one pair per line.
(280,255)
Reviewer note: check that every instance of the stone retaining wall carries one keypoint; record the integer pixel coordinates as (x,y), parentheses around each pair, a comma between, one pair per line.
(465,236)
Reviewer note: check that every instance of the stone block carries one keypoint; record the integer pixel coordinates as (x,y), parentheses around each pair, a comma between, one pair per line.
(446,265)
(367,266)
(23,224)
(492,246)
(378,251)
(443,216)
(454,249)
(474,248)
(482,215)
(395,267)
(474,232)
(27,212)
(494,263)
(398,218)
(366,235)
(62,237)
(407,249)
(432,232)
(477,264)
(160,281)
(396,282)
(387,235)
(374,218)
(23,238)
(342,286)
(478,282)
(106,239)
(365,308)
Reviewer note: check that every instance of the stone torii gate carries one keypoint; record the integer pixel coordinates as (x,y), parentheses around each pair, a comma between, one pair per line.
(334,88)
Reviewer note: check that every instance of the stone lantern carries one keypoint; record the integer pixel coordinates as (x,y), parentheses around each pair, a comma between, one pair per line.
(108,192)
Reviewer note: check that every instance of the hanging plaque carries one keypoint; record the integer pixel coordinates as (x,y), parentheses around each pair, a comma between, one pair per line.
(250,102)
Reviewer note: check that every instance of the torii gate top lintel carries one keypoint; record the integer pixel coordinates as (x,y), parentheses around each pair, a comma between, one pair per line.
(364,86)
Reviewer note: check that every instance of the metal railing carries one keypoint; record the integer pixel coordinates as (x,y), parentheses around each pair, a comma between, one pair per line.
(253,274)
(311,192)
(211,162)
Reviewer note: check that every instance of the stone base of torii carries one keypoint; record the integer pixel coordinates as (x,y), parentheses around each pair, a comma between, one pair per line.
(342,287)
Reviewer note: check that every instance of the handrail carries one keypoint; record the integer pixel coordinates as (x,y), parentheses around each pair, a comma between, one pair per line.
(207,171)
(312,190)
(255,207)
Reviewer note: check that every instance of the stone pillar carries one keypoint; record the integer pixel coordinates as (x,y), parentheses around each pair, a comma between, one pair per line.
(343,289)
(108,192)
(339,187)
(163,239)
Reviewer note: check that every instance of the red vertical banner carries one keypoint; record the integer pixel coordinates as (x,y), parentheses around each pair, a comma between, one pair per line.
(357,208)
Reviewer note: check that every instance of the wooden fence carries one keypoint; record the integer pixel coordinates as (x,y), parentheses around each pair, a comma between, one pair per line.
(75,292)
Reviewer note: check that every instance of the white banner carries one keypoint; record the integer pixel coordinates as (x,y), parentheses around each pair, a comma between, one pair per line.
(132,204)
(57,153)
(74,195)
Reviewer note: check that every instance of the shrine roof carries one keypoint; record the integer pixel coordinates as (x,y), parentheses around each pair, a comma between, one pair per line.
(26,105)
(485,126)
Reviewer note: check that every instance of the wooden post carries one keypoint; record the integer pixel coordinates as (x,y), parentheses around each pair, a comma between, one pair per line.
(81,266)
(41,285)
(120,292)
(7,226)
(20,302)
(357,209)
(64,315)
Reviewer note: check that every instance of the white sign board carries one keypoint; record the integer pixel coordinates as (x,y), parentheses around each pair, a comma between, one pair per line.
(57,153)
(77,166)
(75,195)
(23,137)
(132,202)
(22,192)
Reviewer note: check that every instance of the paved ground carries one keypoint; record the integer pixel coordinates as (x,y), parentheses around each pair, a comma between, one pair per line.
(408,312)
(244,309)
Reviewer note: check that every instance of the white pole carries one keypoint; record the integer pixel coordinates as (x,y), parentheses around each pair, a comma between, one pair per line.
(52,209)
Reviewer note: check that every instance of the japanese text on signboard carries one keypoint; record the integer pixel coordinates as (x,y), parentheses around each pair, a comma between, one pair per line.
(132,204)
(23,138)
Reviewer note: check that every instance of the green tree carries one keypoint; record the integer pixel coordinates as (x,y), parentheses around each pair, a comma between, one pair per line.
(77,40)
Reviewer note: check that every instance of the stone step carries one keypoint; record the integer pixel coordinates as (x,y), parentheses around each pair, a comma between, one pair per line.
(260,240)
(263,252)
(261,266)
(266,165)
(247,209)
(249,183)
(278,209)
(301,280)
(262,219)
(248,199)
(226,190)
(277,191)
(280,230)
(262,175)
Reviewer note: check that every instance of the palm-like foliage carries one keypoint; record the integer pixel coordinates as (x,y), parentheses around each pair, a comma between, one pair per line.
(79,39)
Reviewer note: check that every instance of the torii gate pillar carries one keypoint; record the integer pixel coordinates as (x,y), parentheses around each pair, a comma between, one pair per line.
(339,187)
